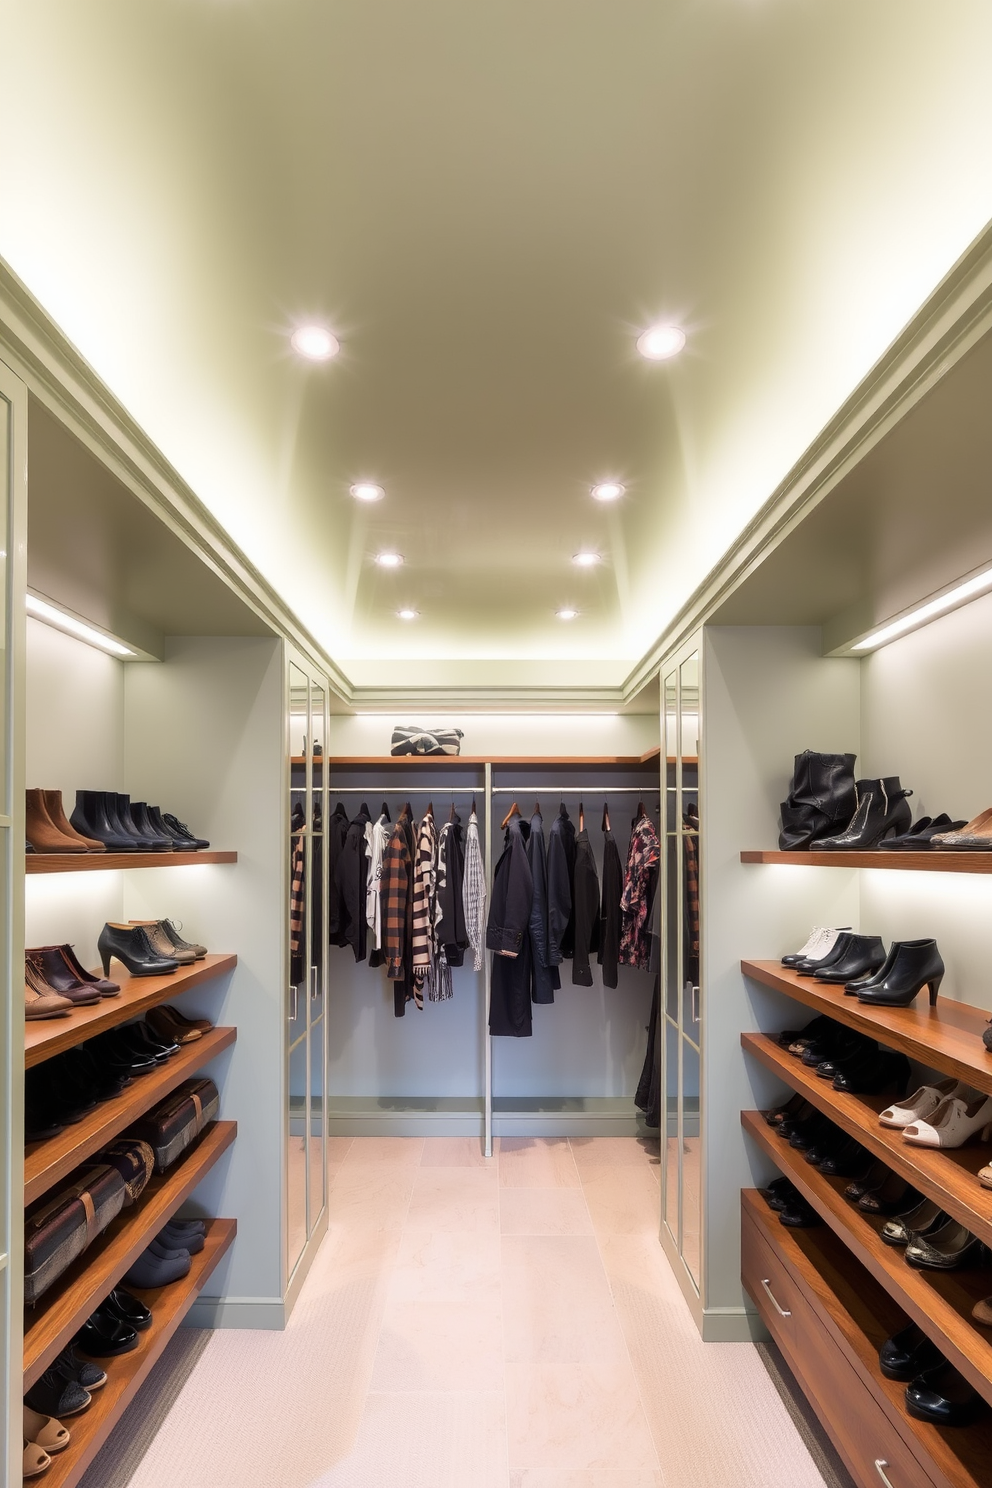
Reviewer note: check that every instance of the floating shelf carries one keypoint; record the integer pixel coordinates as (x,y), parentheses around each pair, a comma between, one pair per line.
(102,862)
(49,1036)
(64,1308)
(915,862)
(127,1372)
(860,1315)
(476,761)
(47,1163)
(949,1177)
(940,1302)
(947,1037)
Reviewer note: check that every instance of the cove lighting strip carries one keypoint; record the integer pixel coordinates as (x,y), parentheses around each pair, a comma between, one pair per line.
(959,595)
(41,609)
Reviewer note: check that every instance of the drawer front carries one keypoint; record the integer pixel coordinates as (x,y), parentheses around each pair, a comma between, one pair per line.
(769,1281)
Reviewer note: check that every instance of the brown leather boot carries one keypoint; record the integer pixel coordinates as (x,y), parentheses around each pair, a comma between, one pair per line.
(44,1004)
(42,833)
(61,823)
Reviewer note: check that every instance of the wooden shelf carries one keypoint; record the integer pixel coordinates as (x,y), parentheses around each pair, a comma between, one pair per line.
(47,1163)
(915,862)
(947,1037)
(940,1302)
(63,1309)
(949,1177)
(860,1315)
(101,862)
(127,1373)
(49,1036)
(476,761)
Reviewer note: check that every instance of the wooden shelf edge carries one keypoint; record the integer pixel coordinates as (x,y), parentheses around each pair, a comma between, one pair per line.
(947,1037)
(50,1036)
(47,1163)
(923,1295)
(67,1304)
(104,862)
(476,761)
(914,862)
(127,1373)
(946,1177)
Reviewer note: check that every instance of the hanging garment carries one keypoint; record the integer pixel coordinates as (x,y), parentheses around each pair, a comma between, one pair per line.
(561,873)
(648,1095)
(396,889)
(609,919)
(424,904)
(545,979)
(586,905)
(474,892)
(690,877)
(297,897)
(638,894)
(376,840)
(508,935)
(452,933)
(337,831)
(354,881)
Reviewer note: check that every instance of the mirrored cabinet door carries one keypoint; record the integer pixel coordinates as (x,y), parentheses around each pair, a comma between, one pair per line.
(297,1012)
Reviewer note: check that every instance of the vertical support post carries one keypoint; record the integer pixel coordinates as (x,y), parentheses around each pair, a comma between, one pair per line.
(487,971)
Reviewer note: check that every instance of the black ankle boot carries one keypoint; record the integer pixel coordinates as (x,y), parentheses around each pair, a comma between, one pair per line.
(864,955)
(147,828)
(883,811)
(130,944)
(916,964)
(91,818)
(822,799)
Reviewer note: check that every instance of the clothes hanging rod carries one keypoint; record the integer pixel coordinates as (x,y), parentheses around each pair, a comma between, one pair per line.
(599,789)
(442,791)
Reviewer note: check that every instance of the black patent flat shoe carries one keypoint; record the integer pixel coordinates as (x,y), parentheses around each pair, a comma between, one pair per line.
(781,1113)
(941,1395)
(779,1193)
(104,1336)
(907,1354)
(915,965)
(127,1309)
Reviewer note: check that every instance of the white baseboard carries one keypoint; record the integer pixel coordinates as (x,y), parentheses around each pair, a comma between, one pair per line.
(732,1325)
(237,1312)
(554,1116)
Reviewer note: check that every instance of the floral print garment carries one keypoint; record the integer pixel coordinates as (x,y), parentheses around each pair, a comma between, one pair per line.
(638,895)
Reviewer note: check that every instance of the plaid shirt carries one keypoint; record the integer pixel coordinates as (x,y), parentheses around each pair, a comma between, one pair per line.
(424,906)
(396,890)
(474,891)
(638,894)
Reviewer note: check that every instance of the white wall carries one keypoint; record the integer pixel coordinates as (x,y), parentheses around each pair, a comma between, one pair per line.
(505,733)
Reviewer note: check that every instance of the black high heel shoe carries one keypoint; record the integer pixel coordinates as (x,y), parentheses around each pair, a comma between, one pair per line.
(883,811)
(130,944)
(916,964)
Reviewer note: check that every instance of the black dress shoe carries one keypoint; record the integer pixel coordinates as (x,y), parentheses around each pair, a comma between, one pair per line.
(127,1309)
(907,1354)
(864,955)
(871,1073)
(814,1029)
(147,1036)
(809,1133)
(917,839)
(130,944)
(883,811)
(779,1193)
(120,1054)
(847,1161)
(39,1122)
(104,1336)
(915,965)
(941,1395)
(780,1113)
(181,830)
(799,1216)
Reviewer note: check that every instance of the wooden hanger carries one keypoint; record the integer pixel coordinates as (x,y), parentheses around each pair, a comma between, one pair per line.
(430,809)
(640,810)
(513,811)
(582,818)
(537,808)
(385,811)
(606,816)
(451,813)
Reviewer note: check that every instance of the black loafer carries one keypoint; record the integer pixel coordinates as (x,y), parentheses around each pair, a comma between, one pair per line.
(907,1354)
(103,1335)
(799,1216)
(941,1395)
(780,1193)
(127,1309)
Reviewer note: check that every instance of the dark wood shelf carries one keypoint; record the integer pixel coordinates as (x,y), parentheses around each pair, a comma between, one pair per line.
(476,761)
(63,1309)
(860,1315)
(949,1177)
(49,1036)
(947,1037)
(127,1373)
(101,862)
(47,1163)
(940,1302)
(915,862)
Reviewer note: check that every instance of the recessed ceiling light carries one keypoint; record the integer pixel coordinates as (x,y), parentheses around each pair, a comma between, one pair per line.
(585,560)
(315,342)
(389,560)
(366,491)
(566,614)
(660,342)
(608,491)
(408,614)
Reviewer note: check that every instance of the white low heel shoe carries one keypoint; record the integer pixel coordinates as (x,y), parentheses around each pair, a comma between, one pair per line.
(953,1122)
(921,1105)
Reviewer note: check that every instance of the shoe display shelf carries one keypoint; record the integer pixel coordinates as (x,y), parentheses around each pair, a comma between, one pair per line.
(49,1036)
(35,862)
(914,862)
(829,1314)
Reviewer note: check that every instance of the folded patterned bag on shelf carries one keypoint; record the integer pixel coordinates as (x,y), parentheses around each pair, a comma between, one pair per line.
(411,740)
(175,1123)
(63,1226)
(135,1161)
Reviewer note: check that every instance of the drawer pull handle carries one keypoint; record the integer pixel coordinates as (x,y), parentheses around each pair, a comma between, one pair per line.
(782,1312)
(880,1466)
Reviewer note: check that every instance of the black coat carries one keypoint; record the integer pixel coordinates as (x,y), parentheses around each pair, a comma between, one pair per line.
(337,831)
(561,872)
(354,879)
(586,910)
(609,924)
(451,931)
(508,935)
(545,979)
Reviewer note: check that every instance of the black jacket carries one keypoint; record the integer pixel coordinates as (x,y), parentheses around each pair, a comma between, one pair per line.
(545,979)
(561,871)
(508,935)
(609,924)
(451,932)
(354,878)
(586,910)
(337,831)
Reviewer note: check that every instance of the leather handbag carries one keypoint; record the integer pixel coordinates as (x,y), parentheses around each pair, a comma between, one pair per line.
(177,1121)
(411,740)
(135,1161)
(60,1230)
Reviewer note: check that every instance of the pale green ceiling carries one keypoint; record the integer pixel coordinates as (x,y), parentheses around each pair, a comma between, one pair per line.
(487,199)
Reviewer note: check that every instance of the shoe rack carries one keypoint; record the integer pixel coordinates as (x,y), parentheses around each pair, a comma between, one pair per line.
(101,862)
(913,862)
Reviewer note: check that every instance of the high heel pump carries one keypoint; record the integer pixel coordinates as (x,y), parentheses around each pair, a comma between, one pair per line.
(130,944)
(914,965)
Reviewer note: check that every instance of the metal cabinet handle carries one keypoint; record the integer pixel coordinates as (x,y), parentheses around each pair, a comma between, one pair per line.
(695,1004)
(782,1311)
(314,983)
(880,1465)
(294,1002)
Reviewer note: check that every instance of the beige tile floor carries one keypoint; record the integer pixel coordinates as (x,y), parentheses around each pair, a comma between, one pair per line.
(473,1324)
